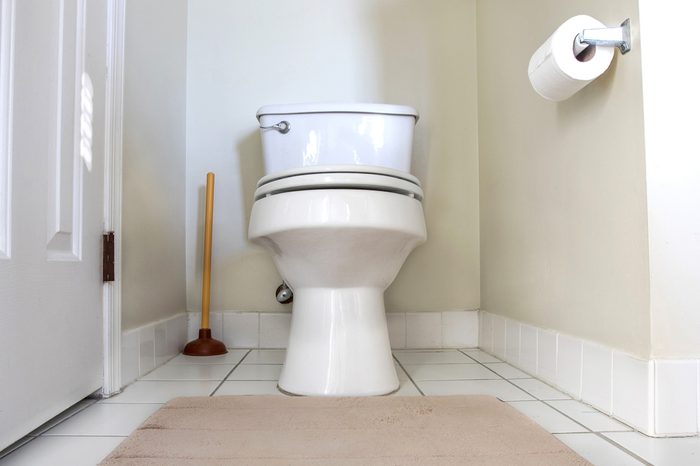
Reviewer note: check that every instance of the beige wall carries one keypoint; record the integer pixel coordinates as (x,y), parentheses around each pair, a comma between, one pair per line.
(153,255)
(562,185)
(410,52)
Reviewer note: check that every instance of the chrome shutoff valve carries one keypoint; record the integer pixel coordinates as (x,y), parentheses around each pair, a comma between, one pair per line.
(284,294)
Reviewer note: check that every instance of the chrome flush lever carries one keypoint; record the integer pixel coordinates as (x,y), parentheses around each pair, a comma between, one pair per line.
(283,127)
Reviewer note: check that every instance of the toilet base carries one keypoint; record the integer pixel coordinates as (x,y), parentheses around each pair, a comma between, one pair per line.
(339,344)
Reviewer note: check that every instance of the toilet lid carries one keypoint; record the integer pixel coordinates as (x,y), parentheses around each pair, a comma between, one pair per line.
(340,177)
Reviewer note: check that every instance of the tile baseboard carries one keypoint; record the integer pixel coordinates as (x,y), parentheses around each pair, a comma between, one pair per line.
(657,397)
(448,329)
(151,345)
(660,398)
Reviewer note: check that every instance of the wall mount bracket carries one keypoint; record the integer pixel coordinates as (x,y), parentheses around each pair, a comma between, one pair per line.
(619,37)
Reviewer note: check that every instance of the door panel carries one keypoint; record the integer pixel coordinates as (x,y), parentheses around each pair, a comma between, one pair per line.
(65,174)
(50,275)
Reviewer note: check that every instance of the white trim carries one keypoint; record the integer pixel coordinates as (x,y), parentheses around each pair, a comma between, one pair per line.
(657,397)
(7,26)
(245,329)
(152,345)
(114,98)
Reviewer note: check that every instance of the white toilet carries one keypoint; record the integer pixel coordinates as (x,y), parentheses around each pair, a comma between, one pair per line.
(340,212)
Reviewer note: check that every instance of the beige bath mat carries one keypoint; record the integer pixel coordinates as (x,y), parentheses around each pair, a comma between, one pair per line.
(280,430)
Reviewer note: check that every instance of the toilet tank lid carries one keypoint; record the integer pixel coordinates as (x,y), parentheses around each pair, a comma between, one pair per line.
(337,107)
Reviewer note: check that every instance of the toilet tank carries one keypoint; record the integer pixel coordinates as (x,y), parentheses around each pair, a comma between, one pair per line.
(303,135)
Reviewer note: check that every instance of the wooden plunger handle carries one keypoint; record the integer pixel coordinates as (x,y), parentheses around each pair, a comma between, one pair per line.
(206,267)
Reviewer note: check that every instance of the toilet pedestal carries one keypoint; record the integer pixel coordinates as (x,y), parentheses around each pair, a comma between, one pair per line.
(339,344)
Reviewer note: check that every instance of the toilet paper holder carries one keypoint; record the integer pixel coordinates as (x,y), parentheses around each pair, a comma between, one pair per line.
(605,37)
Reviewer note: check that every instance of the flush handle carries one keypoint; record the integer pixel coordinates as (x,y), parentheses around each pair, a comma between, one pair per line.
(283,127)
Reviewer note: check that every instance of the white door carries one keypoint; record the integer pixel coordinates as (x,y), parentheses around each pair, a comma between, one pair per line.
(51,208)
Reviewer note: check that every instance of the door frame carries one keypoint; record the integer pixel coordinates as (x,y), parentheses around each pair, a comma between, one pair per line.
(114,118)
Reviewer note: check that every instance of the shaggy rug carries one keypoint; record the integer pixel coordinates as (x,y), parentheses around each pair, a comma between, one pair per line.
(281,430)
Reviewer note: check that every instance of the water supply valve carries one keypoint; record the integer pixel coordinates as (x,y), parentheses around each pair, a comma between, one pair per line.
(284,294)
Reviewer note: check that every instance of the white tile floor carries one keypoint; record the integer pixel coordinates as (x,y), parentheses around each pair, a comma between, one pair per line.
(87,432)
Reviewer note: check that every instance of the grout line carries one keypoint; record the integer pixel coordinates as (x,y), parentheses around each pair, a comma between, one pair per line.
(460,350)
(407,375)
(612,381)
(145,402)
(88,435)
(621,447)
(548,403)
(42,432)
(538,399)
(460,380)
(229,373)
(152,402)
(464,363)
(607,439)
(563,433)
(614,444)
(28,438)
(16,446)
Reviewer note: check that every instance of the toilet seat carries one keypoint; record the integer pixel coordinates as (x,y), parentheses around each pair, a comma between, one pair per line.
(340,177)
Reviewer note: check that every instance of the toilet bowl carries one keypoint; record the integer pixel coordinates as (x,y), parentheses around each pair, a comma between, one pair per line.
(339,232)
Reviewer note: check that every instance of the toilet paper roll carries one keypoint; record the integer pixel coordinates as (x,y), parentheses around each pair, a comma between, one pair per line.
(555,72)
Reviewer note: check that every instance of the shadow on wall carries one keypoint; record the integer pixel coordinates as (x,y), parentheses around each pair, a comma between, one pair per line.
(251,272)
(592,99)
(251,169)
(427,59)
(403,49)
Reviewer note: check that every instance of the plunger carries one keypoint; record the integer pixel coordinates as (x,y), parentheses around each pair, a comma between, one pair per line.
(205,345)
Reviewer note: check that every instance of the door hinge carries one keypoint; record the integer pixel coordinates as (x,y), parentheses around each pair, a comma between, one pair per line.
(108,257)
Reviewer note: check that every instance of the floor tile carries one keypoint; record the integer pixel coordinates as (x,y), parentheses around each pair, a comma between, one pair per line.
(501,389)
(540,390)
(551,420)
(507,371)
(162,391)
(189,372)
(76,408)
(406,389)
(248,387)
(588,416)
(448,372)
(660,451)
(265,357)
(422,350)
(233,357)
(432,357)
(106,419)
(480,356)
(256,372)
(597,450)
(53,451)
(88,431)
(400,373)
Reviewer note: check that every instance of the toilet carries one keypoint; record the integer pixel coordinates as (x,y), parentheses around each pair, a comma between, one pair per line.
(340,212)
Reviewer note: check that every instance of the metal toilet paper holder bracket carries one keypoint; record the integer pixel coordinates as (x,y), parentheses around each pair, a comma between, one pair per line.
(605,37)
